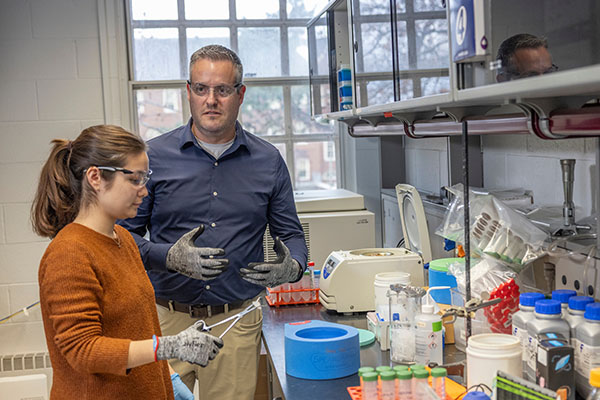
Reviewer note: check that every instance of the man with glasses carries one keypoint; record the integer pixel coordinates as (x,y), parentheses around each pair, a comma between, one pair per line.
(523,56)
(213,177)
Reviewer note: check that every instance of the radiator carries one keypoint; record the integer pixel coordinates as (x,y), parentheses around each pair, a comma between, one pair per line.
(25,376)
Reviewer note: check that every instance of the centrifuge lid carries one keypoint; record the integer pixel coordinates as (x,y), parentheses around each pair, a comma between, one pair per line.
(414,223)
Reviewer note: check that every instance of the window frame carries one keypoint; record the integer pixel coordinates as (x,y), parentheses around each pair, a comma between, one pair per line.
(285,81)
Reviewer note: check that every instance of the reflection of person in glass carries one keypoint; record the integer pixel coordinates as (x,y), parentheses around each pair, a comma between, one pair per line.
(523,56)
(212,172)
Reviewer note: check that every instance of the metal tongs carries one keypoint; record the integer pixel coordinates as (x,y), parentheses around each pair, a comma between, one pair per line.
(469,309)
(201,325)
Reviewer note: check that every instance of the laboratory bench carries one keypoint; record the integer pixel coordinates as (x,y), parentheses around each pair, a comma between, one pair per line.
(290,388)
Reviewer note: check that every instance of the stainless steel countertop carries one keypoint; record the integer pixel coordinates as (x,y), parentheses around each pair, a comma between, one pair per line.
(274,320)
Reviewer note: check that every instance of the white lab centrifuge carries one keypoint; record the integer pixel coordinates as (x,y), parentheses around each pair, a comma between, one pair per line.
(347,277)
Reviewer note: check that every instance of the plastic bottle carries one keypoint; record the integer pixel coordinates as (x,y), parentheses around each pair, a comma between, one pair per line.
(286,295)
(364,370)
(428,333)
(587,354)
(438,381)
(383,368)
(563,295)
(574,315)
(547,319)
(595,383)
(404,385)
(388,385)
(306,294)
(369,386)
(521,317)
(419,383)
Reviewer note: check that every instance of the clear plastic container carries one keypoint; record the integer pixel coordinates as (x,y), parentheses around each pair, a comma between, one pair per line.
(388,385)
(285,297)
(420,382)
(595,383)
(404,379)
(315,278)
(306,285)
(364,370)
(369,386)
(438,381)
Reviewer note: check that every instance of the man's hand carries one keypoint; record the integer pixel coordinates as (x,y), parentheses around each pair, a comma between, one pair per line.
(190,345)
(273,273)
(196,262)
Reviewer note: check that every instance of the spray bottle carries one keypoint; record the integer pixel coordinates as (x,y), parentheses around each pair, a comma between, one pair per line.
(429,335)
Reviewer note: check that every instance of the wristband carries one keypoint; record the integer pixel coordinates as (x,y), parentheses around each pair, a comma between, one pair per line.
(155,346)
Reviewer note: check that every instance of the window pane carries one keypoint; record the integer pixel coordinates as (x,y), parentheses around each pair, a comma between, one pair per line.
(322,50)
(301,122)
(380,92)
(200,37)
(315,164)
(304,8)
(374,7)
(432,43)
(156,54)
(158,111)
(298,48)
(256,9)
(260,51)
(262,110)
(428,5)
(436,85)
(406,89)
(402,45)
(206,9)
(153,9)
(281,148)
(376,47)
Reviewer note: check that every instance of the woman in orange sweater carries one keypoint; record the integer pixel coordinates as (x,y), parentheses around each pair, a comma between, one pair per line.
(98,305)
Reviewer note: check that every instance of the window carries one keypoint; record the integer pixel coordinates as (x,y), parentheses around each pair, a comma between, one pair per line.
(270,38)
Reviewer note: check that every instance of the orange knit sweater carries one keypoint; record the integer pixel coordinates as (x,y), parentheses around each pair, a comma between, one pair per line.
(95,298)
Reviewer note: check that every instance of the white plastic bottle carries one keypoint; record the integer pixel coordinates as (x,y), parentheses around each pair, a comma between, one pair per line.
(563,295)
(574,315)
(521,317)
(428,333)
(587,352)
(547,319)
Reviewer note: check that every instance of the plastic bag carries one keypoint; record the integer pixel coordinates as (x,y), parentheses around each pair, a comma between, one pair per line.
(497,231)
(490,280)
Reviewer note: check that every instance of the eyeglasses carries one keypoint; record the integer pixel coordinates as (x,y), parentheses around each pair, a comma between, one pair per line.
(531,74)
(138,178)
(221,91)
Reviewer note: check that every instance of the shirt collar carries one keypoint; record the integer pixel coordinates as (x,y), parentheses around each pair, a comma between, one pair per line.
(187,137)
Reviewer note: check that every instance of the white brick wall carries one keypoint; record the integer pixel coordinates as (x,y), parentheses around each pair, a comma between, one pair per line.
(427,163)
(50,87)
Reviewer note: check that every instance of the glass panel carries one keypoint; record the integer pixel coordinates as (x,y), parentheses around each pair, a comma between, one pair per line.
(429,5)
(262,110)
(260,51)
(437,85)
(153,9)
(206,9)
(373,58)
(200,37)
(529,39)
(319,66)
(301,122)
(376,49)
(156,54)
(402,45)
(281,148)
(321,54)
(298,48)
(432,43)
(158,111)
(304,8)
(374,7)
(315,165)
(256,9)
(406,89)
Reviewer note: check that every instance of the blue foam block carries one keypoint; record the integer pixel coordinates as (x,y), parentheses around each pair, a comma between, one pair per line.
(321,350)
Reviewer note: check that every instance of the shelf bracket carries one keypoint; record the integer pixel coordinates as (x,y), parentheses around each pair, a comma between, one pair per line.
(459,114)
(538,112)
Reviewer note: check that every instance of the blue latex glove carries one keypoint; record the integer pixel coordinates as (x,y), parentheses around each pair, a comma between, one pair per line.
(180,391)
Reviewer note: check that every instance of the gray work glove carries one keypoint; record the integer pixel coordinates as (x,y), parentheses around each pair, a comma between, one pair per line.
(196,262)
(191,345)
(273,273)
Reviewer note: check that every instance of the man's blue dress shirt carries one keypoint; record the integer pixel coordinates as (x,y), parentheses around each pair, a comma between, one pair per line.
(234,197)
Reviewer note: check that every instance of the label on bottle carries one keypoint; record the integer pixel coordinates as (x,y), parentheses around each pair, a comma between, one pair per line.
(521,334)
(531,351)
(589,358)
(575,344)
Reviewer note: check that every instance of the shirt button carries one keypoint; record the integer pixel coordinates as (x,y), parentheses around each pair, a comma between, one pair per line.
(213,224)
(207,287)
(214,193)
(216,163)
